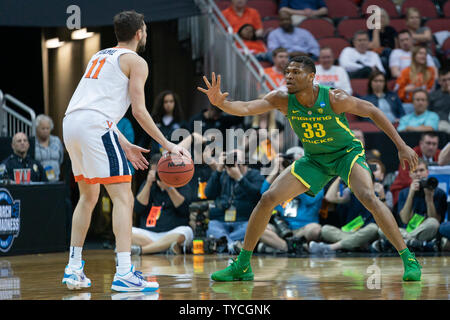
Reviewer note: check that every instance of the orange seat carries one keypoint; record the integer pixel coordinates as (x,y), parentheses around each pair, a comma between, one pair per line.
(320,28)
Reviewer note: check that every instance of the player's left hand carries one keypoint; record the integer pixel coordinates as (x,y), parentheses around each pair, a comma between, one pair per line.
(409,155)
(135,156)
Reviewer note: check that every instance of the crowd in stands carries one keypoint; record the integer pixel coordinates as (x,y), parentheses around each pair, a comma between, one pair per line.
(216,204)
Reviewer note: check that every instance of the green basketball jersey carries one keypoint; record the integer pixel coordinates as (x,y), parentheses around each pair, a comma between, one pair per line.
(320,130)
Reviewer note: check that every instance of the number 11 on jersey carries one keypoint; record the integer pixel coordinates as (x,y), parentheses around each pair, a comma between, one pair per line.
(94,63)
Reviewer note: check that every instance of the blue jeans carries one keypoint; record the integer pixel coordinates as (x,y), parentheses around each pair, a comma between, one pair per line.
(444,229)
(233,231)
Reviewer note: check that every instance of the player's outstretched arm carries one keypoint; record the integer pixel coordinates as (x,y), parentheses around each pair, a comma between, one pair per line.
(138,72)
(238,108)
(342,102)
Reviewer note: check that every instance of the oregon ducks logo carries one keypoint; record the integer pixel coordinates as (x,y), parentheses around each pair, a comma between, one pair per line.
(320,110)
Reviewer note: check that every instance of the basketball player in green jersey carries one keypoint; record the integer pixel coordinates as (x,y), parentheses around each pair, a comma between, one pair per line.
(316,114)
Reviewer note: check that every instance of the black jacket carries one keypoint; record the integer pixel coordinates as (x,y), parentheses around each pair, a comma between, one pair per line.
(16,162)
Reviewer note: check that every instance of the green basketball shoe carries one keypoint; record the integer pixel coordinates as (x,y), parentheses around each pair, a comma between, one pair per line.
(412,268)
(234,272)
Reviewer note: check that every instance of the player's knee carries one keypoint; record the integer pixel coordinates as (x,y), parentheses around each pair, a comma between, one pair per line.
(268,199)
(90,199)
(367,198)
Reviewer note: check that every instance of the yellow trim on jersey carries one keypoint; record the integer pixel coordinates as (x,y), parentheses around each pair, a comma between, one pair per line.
(351,167)
(298,177)
(344,126)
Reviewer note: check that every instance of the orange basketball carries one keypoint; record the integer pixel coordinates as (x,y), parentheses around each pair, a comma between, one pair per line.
(174,170)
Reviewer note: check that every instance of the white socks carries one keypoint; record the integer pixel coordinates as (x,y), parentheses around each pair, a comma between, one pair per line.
(123,260)
(123,263)
(75,257)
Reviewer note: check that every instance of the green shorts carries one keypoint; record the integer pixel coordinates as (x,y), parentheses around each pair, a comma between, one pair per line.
(315,171)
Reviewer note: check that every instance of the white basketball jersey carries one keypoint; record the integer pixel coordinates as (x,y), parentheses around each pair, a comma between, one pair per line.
(104,87)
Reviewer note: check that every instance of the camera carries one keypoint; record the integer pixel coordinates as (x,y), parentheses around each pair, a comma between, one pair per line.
(430,183)
(281,226)
(287,160)
(201,224)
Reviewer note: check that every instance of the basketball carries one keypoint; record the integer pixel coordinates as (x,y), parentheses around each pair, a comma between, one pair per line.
(174,170)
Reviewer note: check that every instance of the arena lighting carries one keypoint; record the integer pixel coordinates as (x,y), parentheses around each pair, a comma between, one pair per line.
(81,34)
(53,43)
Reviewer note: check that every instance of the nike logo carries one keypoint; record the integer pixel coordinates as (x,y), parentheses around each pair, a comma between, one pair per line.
(411,259)
(350,150)
(245,270)
(295,111)
(138,284)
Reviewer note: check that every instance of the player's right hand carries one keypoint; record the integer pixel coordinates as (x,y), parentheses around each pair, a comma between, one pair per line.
(215,96)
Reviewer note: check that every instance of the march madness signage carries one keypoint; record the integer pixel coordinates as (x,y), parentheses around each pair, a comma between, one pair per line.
(9,220)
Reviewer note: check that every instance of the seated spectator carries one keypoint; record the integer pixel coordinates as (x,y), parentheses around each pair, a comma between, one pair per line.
(297,41)
(235,189)
(439,100)
(427,150)
(417,75)
(238,14)
(359,230)
(444,230)
(444,156)
(422,36)
(168,116)
(400,58)
(280,58)
(421,119)
(359,61)
(328,74)
(383,40)
(303,9)
(421,208)
(386,101)
(20,159)
(379,172)
(256,47)
(126,128)
(49,151)
(300,214)
(163,213)
(370,154)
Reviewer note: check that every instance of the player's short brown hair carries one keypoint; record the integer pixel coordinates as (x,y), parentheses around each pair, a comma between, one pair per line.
(126,24)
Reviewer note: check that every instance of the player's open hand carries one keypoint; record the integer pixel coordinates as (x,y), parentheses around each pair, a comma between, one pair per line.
(135,155)
(409,155)
(215,96)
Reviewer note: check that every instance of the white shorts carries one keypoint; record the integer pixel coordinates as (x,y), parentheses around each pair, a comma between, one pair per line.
(186,231)
(92,142)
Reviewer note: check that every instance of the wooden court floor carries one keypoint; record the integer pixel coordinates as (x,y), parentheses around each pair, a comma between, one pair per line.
(187,277)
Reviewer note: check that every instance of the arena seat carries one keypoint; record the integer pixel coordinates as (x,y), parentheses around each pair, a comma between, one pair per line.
(223,4)
(320,28)
(439,24)
(342,8)
(347,27)
(337,44)
(446,9)
(266,8)
(387,5)
(359,86)
(426,7)
(398,24)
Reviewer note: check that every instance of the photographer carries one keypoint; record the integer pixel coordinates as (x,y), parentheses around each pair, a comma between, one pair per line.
(422,206)
(235,190)
(163,216)
(293,221)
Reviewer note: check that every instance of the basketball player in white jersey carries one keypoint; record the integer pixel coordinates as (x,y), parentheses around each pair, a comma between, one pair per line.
(114,78)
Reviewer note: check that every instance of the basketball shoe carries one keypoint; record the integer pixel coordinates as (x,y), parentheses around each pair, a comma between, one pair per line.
(234,272)
(132,282)
(412,267)
(75,278)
